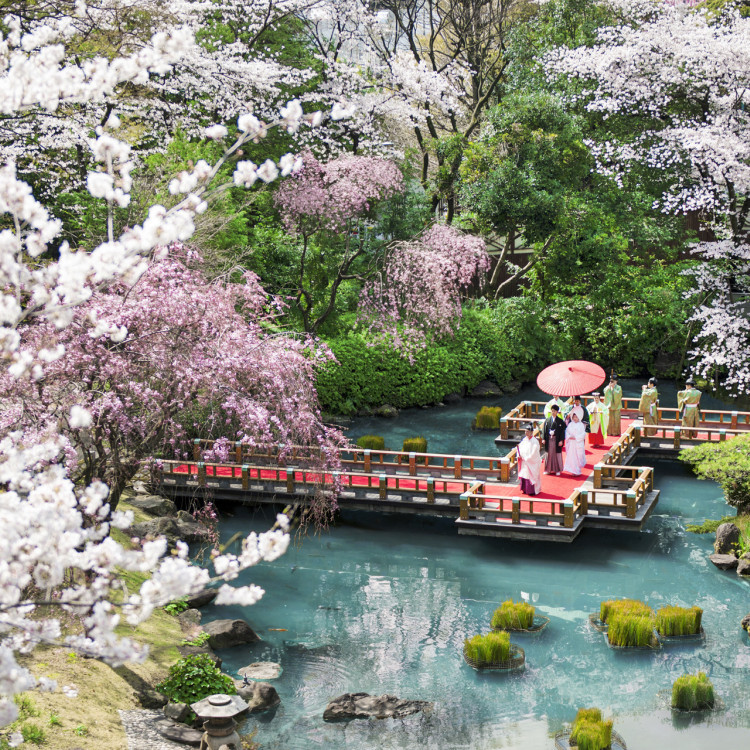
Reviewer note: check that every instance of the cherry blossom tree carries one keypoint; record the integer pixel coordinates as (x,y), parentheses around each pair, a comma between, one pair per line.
(671,84)
(418,293)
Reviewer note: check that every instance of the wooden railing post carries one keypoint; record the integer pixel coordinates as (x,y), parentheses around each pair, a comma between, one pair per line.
(584,502)
(368,461)
(457,467)
(503,428)
(196,449)
(597,476)
(631,504)
(527,409)
(568,514)
(383,486)
(412,464)
(201,474)
(505,470)
(430,490)
(245,477)
(677,436)
(722,435)
(290,479)
(463,505)
(637,436)
(238,452)
(515,514)
(734,420)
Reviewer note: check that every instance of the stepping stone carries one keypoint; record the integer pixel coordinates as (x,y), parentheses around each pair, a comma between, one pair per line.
(178,732)
(261,670)
(723,562)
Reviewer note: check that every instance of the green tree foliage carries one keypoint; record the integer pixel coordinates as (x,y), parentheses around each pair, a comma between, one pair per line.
(727,463)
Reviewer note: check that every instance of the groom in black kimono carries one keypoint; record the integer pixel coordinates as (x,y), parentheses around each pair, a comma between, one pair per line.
(554,439)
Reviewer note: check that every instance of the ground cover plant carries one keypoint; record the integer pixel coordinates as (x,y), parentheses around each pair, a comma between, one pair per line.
(673,620)
(693,692)
(193,678)
(490,648)
(488,418)
(510,614)
(415,445)
(589,731)
(613,607)
(373,442)
(631,631)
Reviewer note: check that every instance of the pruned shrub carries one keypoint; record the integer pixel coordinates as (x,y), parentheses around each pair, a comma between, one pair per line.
(623,607)
(415,445)
(373,442)
(631,631)
(590,731)
(488,418)
(194,678)
(693,692)
(672,620)
(491,648)
(513,615)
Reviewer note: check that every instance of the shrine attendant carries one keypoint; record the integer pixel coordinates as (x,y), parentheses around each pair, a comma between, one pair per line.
(599,417)
(613,402)
(554,439)
(581,411)
(556,401)
(688,402)
(530,463)
(647,406)
(575,446)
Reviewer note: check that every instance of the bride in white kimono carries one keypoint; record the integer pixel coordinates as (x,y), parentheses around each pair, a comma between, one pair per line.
(530,464)
(575,446)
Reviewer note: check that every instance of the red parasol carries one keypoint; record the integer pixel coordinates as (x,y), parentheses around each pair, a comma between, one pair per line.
(570,378)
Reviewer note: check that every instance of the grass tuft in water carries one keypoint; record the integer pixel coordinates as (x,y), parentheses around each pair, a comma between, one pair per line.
(415,445)
(693,692)
(590,732)
(630,631)
(512,614)
(613,607)
(373,442)
(672,620)
(488,418)
(491,648)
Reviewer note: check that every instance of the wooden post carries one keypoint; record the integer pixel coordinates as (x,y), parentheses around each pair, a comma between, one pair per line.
(430,490)
(245,478)
(677,438)
(568,514)
(527,409)
(201,474)
(503,428)
(290,479)
(637,436)
(630,512)
(515,514)
(505,470)
(412,464)
(597,476)
(722,435)
(368,461)
(196,449)
(584,504)
(383,486)
(463,504)
(734,420)
(238,452)
(457,467)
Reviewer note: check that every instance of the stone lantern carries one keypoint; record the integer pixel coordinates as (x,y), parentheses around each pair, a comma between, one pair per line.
(218,712)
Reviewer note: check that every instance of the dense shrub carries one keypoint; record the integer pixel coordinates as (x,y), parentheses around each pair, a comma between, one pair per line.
(194,678)
(589,731)
(491,648)
(415,445)
(488,418)
(512,614)
(678,620)
(693,692)
(373,442)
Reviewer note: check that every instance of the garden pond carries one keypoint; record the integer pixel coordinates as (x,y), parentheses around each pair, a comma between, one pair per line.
(383,603)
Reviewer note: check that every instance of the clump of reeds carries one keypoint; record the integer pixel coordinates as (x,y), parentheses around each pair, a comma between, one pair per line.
(510,614)
(693,692)
(491,648)
(373,442)
(679,620)
(590,731)
(614,607)
(415,445)
(630,631)
(488,418)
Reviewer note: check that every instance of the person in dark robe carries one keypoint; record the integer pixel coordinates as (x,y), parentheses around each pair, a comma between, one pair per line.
(553,433)
(581,411)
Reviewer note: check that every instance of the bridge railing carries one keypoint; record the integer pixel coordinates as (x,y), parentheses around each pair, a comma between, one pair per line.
(677,434)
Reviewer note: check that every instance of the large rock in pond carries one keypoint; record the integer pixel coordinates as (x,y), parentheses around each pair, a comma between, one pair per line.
(386,410)
(743,567)
(201,599)
(170,528)
(261,670)
(228,633)
(723,562)
(154,505)
(259,696)
(727,538)
(485,389)
(365,706)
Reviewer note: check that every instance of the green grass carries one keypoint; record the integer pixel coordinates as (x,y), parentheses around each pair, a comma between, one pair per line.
(590,731)
(488,418)
(415,445)
(614,607)
(672,620)
(630,631)
(373,442)
(512,614)
(693,692)
(489,649)
(34,734)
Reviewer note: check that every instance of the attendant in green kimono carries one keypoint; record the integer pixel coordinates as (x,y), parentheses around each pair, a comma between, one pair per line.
(599,421)
(556,401)
(688,403)
(613,402)
(647,406)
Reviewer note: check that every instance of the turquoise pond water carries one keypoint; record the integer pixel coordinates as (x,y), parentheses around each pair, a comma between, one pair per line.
(382,604)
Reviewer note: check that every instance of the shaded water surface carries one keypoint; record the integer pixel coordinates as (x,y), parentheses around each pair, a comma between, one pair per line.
(382,604)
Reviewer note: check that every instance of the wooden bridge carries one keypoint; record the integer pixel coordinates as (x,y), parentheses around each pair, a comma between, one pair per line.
(479,492)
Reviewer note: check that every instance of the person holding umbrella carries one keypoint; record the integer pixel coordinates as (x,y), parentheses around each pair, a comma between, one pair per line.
(530,463)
